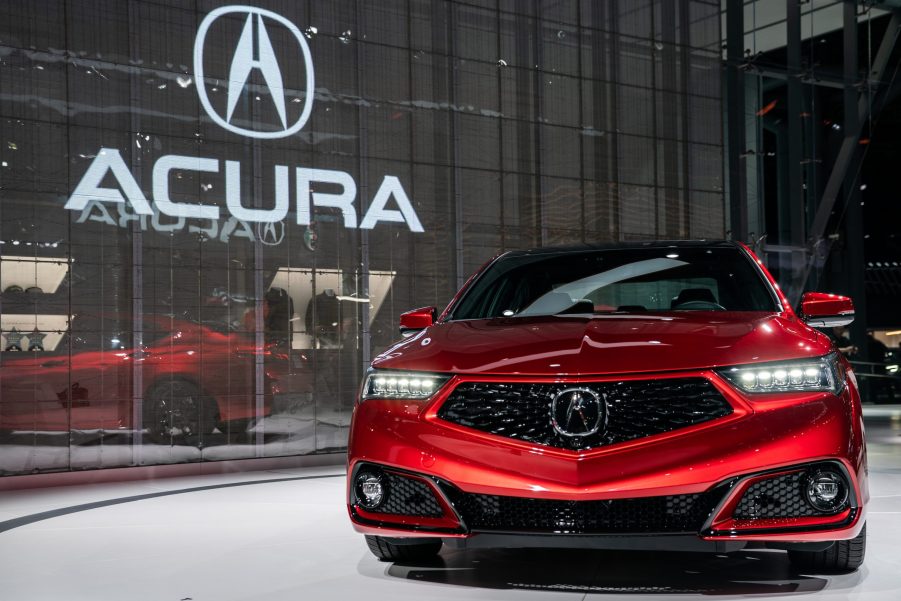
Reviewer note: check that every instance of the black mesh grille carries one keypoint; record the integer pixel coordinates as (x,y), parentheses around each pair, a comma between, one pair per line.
(407,496)
(634,409)
(779,497)
(676,513)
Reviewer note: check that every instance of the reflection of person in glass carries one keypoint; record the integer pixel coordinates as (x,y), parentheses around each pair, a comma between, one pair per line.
(840,335)
(879,388)
(277,311)
(291,367)
(333,324)
(876,351)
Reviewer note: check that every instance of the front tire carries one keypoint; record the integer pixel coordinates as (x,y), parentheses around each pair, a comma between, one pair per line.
(385,550)
(842,556)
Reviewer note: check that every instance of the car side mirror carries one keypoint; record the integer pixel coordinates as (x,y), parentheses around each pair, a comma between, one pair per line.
(822,310)
(416,320)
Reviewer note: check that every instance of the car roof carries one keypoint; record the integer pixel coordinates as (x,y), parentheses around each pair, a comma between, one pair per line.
(633,245)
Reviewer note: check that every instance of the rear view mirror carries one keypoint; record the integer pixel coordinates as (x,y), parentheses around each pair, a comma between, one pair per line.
(417,319)
(822,310)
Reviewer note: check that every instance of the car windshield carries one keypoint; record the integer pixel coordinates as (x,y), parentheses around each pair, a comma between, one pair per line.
(617,281)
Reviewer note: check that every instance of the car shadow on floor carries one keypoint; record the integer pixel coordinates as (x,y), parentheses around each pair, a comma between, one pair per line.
(579,571)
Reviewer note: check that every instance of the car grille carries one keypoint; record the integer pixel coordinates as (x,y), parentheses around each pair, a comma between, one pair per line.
(668,514)
(778,497)
(634,409)
(409,496)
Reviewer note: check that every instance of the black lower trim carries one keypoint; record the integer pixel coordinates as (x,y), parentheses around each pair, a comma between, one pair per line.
(634,542)
(673,514)
(821,546)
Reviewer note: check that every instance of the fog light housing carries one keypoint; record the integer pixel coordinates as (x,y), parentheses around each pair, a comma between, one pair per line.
(826,490)
(371,489)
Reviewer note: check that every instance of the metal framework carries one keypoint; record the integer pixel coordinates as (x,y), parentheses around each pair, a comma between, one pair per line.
(808,216)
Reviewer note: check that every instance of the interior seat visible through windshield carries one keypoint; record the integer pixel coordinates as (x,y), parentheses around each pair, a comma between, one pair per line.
(618,280)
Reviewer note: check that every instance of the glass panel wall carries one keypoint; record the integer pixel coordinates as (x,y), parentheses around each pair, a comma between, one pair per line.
(211,215)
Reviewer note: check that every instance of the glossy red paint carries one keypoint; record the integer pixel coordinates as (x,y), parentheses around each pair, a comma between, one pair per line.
(605,344)
(417,319)
(94,389)
(819,304)
(765,432)
(786,305)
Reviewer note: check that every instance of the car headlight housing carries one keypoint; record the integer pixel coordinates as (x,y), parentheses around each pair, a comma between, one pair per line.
(401,385)
(821,374)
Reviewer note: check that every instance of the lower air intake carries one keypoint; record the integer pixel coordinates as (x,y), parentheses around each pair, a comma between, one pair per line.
(408,496)
(669,514)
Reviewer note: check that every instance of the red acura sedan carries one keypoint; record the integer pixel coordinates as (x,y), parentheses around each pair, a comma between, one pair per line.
(647,396)
(193,378)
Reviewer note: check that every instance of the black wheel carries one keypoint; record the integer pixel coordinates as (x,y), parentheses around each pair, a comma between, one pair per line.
(842,556)
(386,550)
(176,410)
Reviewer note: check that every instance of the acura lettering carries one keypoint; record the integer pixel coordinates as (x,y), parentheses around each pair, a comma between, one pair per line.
(109,161)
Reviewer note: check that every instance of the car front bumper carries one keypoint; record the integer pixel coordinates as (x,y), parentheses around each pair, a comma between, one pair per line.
(717,460)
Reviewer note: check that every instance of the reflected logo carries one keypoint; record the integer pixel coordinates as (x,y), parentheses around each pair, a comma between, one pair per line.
(254,53)
(271,233)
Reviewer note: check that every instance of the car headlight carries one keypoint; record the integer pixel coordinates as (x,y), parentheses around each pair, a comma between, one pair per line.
(813,375)
(401,385)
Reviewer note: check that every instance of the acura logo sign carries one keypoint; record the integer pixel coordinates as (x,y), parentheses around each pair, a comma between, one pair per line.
(253,51)
(251,58)
(578,412)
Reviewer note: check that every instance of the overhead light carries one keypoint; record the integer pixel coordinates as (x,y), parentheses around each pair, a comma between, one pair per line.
(893,333)
(352,299)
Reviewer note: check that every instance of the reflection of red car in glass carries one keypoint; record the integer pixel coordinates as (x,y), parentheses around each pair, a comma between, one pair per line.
(193,378)
(654,396)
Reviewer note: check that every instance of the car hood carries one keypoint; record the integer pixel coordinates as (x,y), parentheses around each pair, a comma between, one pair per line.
(605,344)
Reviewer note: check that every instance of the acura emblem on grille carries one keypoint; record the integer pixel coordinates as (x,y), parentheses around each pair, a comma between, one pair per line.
(578,412)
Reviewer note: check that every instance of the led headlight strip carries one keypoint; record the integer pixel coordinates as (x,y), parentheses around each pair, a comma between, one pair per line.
(814,375)
(402,385)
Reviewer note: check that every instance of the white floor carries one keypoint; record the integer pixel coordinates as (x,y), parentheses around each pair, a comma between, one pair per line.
(272,536)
